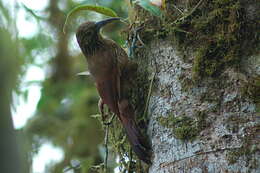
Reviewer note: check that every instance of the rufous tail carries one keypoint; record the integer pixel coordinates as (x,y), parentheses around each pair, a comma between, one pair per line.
(134,135)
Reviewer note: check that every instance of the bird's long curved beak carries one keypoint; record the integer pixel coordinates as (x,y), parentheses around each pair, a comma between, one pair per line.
(102,23)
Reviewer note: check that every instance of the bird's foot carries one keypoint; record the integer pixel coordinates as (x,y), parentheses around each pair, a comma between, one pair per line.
(102,110)
(104,116)
(109,121)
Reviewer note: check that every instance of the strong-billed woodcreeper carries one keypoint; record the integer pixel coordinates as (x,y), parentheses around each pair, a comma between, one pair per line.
(109,65)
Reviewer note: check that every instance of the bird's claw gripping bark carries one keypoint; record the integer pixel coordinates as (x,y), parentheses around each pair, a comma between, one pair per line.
(101,109)
(109,121)
(103,114)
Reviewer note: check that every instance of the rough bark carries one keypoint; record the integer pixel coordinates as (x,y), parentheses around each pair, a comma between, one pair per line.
(227,141)
(210,124)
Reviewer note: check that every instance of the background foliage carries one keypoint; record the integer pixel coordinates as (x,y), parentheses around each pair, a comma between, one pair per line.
(63,114)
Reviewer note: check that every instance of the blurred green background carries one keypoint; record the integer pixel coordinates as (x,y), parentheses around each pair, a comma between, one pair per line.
(32,38)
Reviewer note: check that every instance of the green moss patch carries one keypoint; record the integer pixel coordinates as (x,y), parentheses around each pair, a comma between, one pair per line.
(219,31)
(184,127)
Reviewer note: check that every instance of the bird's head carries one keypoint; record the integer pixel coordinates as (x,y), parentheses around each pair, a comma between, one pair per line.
(88,32)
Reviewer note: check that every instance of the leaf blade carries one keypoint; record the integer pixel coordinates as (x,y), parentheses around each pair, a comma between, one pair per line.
(99,9)
(147,5)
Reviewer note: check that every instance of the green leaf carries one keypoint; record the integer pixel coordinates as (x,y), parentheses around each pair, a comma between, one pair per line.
(99,9)
(147,5)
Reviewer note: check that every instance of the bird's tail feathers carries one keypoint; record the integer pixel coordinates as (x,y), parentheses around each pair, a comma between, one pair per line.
(134,135)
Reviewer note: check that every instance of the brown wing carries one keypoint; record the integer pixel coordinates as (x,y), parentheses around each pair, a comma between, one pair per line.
(124,68)
(108,93)
(119,61)
(108,80)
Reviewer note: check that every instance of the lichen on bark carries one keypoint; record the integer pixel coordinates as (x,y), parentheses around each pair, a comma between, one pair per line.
(205,63)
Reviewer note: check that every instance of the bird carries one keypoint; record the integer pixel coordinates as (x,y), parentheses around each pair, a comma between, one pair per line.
(110,67)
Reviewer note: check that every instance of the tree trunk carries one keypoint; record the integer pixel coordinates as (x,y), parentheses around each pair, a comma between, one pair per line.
(204,105)
(10,159)
(220,120)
